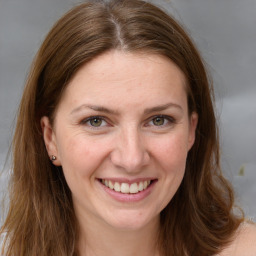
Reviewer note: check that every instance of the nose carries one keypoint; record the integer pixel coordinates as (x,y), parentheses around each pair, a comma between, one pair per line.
(130,152)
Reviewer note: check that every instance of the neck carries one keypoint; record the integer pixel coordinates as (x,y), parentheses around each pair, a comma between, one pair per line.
(100,239)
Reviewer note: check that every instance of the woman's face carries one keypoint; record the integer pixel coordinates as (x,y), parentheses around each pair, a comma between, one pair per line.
(121,134)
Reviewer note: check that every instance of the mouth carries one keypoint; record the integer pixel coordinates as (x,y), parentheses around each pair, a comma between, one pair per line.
(127,188)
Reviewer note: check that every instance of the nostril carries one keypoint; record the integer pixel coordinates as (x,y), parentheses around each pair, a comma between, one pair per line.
(131,161)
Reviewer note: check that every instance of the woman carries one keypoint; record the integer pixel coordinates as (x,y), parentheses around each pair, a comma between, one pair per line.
(116,147)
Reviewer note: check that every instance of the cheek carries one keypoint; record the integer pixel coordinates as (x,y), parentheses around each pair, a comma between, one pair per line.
(80,155)
(171,151)
(170,155)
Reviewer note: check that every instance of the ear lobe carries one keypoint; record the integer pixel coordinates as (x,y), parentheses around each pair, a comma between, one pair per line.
(49,139)
(192,129)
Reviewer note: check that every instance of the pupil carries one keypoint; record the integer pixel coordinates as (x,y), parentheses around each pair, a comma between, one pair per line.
(158,121)
(96,122)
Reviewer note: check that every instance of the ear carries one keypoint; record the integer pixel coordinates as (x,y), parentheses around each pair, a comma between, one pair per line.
(50,139)
(192,129)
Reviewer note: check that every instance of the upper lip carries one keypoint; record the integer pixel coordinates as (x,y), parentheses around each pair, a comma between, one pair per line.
(129,181)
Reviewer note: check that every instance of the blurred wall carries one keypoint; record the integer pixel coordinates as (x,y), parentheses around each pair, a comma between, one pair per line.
(225,33)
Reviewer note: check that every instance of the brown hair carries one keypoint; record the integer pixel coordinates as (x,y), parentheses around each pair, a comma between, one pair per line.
(41,219)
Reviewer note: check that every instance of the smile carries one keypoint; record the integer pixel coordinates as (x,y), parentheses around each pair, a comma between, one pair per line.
(126,188)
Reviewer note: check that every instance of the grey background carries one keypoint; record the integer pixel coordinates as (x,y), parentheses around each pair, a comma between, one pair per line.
(225,33)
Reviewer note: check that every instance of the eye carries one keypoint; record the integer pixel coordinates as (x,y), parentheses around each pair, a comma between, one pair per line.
(95,121)
(161,120)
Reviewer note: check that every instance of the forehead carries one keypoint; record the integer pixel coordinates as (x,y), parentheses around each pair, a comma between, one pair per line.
(114,64)
(117,77)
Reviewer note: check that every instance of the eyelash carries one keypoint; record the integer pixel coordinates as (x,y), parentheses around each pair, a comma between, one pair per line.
(91,118)
(167,119)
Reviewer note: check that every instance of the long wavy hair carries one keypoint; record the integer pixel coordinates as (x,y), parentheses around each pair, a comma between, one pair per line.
(199,219)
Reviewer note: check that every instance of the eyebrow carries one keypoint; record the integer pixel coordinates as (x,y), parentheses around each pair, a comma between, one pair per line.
(95,108)
(162,107)
(111,111)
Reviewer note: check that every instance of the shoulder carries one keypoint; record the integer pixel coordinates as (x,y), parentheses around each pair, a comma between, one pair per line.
(244,242)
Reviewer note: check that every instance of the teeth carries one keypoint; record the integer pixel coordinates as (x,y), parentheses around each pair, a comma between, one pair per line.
(141,186)
(117,187)
(134,188)
(145,184)
(110,185)
(125,188)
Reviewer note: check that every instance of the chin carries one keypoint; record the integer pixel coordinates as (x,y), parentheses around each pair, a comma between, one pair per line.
(132,220)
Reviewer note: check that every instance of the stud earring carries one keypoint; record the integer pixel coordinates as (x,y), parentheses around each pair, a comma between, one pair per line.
(53,158)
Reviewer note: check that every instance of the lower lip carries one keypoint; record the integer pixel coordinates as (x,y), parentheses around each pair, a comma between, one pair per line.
(121,197)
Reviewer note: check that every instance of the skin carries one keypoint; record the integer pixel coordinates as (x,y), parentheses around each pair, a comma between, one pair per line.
(243,242)
(126,91)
